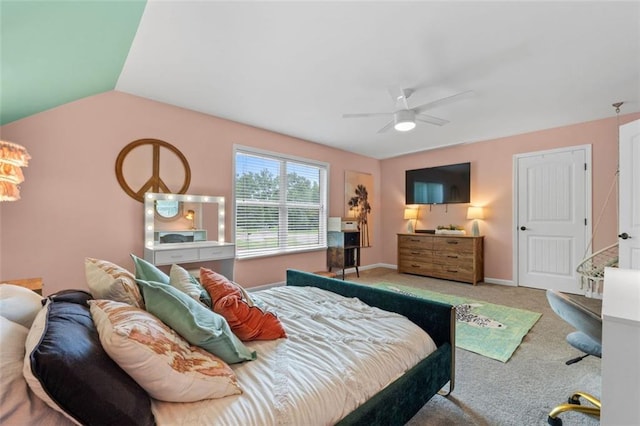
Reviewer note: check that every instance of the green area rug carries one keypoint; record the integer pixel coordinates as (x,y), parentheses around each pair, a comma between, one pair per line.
(494,331)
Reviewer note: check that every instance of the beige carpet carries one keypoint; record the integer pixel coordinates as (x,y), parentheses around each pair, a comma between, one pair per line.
(521,391)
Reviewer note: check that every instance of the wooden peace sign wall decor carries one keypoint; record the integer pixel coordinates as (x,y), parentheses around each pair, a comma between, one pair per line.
(149,178)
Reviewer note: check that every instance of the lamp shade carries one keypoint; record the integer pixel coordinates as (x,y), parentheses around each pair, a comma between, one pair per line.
(410,213)
(12,158)
(475,213)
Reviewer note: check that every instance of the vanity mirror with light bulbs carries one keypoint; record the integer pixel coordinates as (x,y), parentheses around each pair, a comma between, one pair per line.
(184,228)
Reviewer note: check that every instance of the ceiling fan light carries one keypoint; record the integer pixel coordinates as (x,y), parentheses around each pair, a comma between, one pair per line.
(404,120)
(404,126)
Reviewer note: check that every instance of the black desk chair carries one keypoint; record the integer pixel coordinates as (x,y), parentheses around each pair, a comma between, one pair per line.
(587,338)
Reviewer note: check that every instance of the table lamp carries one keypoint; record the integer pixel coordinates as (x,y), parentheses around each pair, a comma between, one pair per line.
(411,214)
(475,213)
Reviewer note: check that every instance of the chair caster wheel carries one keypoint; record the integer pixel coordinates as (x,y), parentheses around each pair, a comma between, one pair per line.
(554,421)
(575,400)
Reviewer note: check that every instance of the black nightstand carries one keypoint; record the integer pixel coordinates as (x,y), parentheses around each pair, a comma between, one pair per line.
(343,250)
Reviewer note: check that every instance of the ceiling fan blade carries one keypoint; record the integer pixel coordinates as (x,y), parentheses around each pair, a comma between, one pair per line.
(442,101)
(387,126)
(366,114)
(431,119)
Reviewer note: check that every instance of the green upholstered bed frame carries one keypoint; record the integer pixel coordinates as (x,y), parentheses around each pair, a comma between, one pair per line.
(402,399)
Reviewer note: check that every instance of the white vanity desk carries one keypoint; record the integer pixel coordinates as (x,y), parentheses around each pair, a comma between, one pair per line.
(621,348)
(167,253)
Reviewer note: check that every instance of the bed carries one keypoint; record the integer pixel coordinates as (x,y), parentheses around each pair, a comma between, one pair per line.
(276,389)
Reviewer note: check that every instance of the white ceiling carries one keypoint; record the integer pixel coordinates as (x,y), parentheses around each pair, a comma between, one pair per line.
(296,67)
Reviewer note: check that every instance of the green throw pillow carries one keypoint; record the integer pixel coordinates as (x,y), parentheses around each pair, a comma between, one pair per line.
(197,324)
(148,271)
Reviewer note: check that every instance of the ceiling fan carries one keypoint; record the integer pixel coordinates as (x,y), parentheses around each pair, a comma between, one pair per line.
(404,118)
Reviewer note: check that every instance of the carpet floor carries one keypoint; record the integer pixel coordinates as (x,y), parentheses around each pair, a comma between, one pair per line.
(521,391)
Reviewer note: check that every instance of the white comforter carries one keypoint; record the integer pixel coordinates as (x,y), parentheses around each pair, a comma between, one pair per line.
(339,352)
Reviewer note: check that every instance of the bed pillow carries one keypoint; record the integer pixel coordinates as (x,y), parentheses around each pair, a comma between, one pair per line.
(18,405)
(66,367)
(107,280)
(181,279)
(247,321)
(162,362)
(218,286)
(19,304)
(194,322)
(148,271)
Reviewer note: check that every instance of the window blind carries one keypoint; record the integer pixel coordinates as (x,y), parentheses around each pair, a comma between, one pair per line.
(279,204)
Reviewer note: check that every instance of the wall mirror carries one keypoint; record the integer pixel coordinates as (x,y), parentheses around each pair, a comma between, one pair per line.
(183,218)
(167,209)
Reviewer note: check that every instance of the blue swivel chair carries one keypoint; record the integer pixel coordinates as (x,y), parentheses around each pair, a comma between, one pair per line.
(587,338)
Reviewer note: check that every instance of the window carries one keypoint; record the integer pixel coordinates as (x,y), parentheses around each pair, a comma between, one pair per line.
(279,203)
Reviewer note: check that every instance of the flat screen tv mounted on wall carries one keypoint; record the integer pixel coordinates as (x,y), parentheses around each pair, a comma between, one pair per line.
(439,185)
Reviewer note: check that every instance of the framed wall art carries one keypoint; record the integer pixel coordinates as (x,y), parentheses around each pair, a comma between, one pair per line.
(358,199)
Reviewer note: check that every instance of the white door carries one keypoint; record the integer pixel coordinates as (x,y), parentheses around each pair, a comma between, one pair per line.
(629,235)
(552,215)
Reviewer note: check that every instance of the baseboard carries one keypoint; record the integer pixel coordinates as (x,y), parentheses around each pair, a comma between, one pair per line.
(500,282)
(378,265)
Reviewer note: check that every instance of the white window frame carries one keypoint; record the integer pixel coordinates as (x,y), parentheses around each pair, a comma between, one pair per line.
(324,197)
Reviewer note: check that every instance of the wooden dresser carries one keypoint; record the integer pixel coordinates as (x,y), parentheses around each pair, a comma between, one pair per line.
(450,257)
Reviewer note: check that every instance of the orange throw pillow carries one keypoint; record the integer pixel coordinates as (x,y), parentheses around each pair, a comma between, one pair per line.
(247,321)
(217,285)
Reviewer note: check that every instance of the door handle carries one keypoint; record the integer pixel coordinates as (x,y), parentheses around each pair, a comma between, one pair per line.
(624,236)
(523,228)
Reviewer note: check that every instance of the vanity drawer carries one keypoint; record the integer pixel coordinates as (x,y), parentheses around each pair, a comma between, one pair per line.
(166,257)
(221,252)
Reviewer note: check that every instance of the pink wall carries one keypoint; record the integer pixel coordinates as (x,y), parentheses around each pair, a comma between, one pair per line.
(72,206)
(492,177)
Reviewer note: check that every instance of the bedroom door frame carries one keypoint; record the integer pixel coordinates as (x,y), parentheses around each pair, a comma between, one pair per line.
(587,195)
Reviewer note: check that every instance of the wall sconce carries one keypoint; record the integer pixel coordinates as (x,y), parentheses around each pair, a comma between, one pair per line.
(411,214)
(12,157)
(475,213)
(191,215)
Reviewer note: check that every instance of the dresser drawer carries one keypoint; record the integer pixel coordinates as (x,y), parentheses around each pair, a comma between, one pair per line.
(212,253)
(452,272)
(455,258)
(166,257)
(414,267)
(416,254)
(453,244)
(408,241)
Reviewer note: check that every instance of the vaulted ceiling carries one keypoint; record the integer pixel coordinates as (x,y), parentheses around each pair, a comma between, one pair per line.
(297,67)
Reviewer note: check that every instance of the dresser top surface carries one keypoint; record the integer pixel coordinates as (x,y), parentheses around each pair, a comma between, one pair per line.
(422,235)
